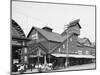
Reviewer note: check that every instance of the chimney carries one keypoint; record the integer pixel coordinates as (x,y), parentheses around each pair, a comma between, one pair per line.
(46,28)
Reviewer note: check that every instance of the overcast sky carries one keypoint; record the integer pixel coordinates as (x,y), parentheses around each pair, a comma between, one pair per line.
(28,14)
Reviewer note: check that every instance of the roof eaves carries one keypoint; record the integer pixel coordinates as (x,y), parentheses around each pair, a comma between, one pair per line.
(30,32)
(74,22)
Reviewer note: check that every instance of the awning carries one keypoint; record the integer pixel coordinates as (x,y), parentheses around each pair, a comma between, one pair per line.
(73,55)
(34,56)
(59,55)
(81,56)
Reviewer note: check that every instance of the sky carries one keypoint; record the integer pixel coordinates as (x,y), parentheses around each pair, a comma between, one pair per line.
(28,14)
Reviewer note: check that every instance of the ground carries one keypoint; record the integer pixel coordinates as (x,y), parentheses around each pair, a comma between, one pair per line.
(78,67)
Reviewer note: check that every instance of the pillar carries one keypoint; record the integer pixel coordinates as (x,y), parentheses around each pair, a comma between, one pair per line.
(45,61)
(66,62)
(24,56)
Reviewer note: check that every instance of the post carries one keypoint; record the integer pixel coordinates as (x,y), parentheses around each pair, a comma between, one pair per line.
(66,63)
(45,61)
(38,56)
(38,60)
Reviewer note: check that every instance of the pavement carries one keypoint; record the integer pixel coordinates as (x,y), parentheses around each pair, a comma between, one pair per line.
(76,67)
(27,72)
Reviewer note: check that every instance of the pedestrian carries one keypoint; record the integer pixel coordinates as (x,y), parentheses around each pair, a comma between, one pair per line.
(14,69)
(31,66)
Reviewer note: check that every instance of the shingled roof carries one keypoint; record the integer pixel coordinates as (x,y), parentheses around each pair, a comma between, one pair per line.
(83,40)
(17,30)
(51,36)
(73,23)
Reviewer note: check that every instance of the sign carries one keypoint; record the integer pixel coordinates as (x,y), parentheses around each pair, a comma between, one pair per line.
(15,61)
(15,43)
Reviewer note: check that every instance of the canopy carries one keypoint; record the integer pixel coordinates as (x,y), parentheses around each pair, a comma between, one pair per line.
(59,55)
(81,56)
(73,55)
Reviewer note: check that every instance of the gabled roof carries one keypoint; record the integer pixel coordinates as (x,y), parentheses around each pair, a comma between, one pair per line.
(93,44)
(83,40)
(73,23)
(51,36)
(32,44)
(14,32)
(17,30)
(71,28)
(77,44)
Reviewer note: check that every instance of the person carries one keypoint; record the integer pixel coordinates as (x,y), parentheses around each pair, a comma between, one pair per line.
(14,68)
(39,68)
(21,69)
(50,65)
(31,66)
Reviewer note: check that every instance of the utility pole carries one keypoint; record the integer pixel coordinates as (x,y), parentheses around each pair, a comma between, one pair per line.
(66,63)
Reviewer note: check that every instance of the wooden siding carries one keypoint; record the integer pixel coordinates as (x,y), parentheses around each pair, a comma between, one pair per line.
(33,32)
(46,43)
(71,47)
(53,44)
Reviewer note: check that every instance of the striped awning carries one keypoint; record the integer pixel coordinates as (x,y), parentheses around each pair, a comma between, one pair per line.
(73,55)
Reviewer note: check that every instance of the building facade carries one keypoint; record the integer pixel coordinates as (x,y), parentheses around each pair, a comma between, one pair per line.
(18,46)
(43,46)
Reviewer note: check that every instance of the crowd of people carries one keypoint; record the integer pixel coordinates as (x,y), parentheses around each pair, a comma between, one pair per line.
(23,67)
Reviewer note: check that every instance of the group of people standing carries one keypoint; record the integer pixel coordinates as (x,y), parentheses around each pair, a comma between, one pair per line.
(19,67)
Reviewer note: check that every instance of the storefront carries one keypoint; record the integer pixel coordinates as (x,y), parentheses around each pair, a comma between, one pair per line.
(18,46)
(65,60)
(80,59)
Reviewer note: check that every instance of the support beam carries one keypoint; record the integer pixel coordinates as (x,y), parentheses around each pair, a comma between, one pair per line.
(45,61)
(66,62)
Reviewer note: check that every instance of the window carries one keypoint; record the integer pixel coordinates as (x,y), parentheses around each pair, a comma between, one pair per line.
(70,39)
(87,44)
(35,36)
(23,43)
(59,49)
(25,50)
(25,58)
(75,52)
(79,52)
(87,52)
(63,45)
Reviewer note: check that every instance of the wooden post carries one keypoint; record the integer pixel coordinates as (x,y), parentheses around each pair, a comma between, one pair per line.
(66,63)
(38,56)
(38,60)
(45,61)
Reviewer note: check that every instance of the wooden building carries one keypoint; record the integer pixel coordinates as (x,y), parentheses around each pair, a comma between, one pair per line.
(18,45)
(42,41)
(61,50)
(76,50)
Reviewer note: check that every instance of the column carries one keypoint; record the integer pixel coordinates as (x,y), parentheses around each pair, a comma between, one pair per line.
(45,61)
(24,53)
(66,62)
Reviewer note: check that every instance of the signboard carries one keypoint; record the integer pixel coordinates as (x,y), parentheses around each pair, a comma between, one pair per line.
(15,43)
(15,61)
